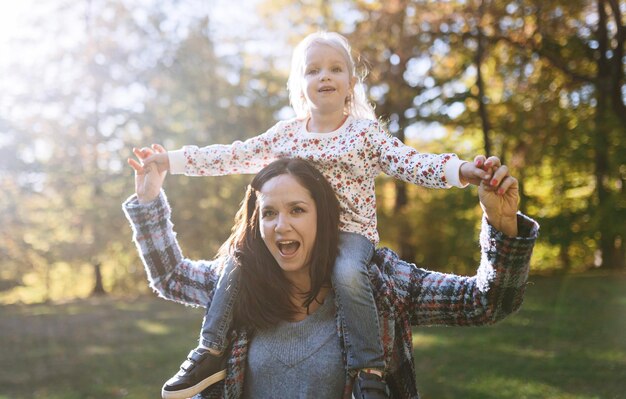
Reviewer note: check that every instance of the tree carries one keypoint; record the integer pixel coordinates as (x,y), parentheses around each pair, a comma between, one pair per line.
(135,75)
(584,42)
(484,65)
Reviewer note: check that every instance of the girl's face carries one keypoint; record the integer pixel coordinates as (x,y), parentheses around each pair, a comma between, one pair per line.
(288,224)
(327,81)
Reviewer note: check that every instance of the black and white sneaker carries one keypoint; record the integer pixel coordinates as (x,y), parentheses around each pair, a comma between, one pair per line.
(369,386)
(200,370)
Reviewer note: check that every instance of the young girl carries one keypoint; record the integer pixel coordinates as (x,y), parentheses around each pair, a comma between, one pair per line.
(336,130)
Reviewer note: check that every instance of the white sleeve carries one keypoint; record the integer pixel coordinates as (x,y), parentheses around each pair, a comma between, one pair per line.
(177,161)
(452,171)
(405,163)
(240,157)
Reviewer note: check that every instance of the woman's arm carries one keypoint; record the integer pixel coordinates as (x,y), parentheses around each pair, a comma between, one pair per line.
(507,239)
(170,274)
(497,290)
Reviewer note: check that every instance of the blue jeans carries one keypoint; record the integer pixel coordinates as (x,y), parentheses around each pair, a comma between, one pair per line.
(355,302)
(219,315)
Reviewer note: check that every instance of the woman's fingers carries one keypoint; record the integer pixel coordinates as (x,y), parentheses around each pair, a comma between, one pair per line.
(143,153)
(158,148)
(501,180)
(507,182)
(491,164)
(136,166)
(137,152)
(139,168)
(498,176)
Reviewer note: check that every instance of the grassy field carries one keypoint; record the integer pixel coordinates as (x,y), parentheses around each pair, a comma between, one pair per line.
(568,341)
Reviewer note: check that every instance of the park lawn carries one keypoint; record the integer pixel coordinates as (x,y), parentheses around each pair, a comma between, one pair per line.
(568,341)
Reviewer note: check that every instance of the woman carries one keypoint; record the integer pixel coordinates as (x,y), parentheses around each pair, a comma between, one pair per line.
(285,228)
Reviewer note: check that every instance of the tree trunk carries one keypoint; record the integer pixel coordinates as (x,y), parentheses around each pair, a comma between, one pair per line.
(601,145)
(48,277)
(482,96)
(566,263)
(98,288)
(405,248)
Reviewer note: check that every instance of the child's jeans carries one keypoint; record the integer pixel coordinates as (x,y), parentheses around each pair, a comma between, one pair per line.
(219,315)
(355,301)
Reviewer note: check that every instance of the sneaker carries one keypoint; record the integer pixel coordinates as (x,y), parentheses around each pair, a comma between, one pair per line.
(369,386)
(199,371)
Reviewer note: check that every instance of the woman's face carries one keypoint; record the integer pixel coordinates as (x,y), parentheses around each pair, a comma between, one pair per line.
(288,224)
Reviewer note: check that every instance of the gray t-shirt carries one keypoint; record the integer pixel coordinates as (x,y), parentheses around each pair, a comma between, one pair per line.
(297,359)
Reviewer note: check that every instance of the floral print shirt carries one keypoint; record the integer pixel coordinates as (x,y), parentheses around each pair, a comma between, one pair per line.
(350,158)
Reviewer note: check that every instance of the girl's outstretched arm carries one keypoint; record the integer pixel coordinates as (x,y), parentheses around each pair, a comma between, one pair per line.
(239,157)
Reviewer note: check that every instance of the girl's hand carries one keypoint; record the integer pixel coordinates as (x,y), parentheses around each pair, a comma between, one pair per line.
(499,198)
(160,159)
(475,172)
(148,179)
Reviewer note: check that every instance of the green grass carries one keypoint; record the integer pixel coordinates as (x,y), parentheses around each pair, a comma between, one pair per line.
(568,341)
(96,348)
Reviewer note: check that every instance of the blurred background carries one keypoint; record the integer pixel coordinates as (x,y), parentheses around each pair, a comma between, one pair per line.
(540,84)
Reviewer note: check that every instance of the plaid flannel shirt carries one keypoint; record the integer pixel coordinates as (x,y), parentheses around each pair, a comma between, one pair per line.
(405,295)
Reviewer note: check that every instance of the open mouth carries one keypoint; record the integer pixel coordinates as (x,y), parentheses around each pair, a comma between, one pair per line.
(326,89)
(287,248)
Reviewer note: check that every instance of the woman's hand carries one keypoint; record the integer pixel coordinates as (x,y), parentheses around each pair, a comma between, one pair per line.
(499,197)
(148,179)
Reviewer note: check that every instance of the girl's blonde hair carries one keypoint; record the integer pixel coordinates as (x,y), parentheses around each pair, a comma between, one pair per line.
(356,105)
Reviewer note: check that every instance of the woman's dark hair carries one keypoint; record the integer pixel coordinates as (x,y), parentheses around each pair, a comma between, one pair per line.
(263,298)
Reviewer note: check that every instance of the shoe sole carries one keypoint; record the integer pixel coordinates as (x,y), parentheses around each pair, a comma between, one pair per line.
(196,389)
